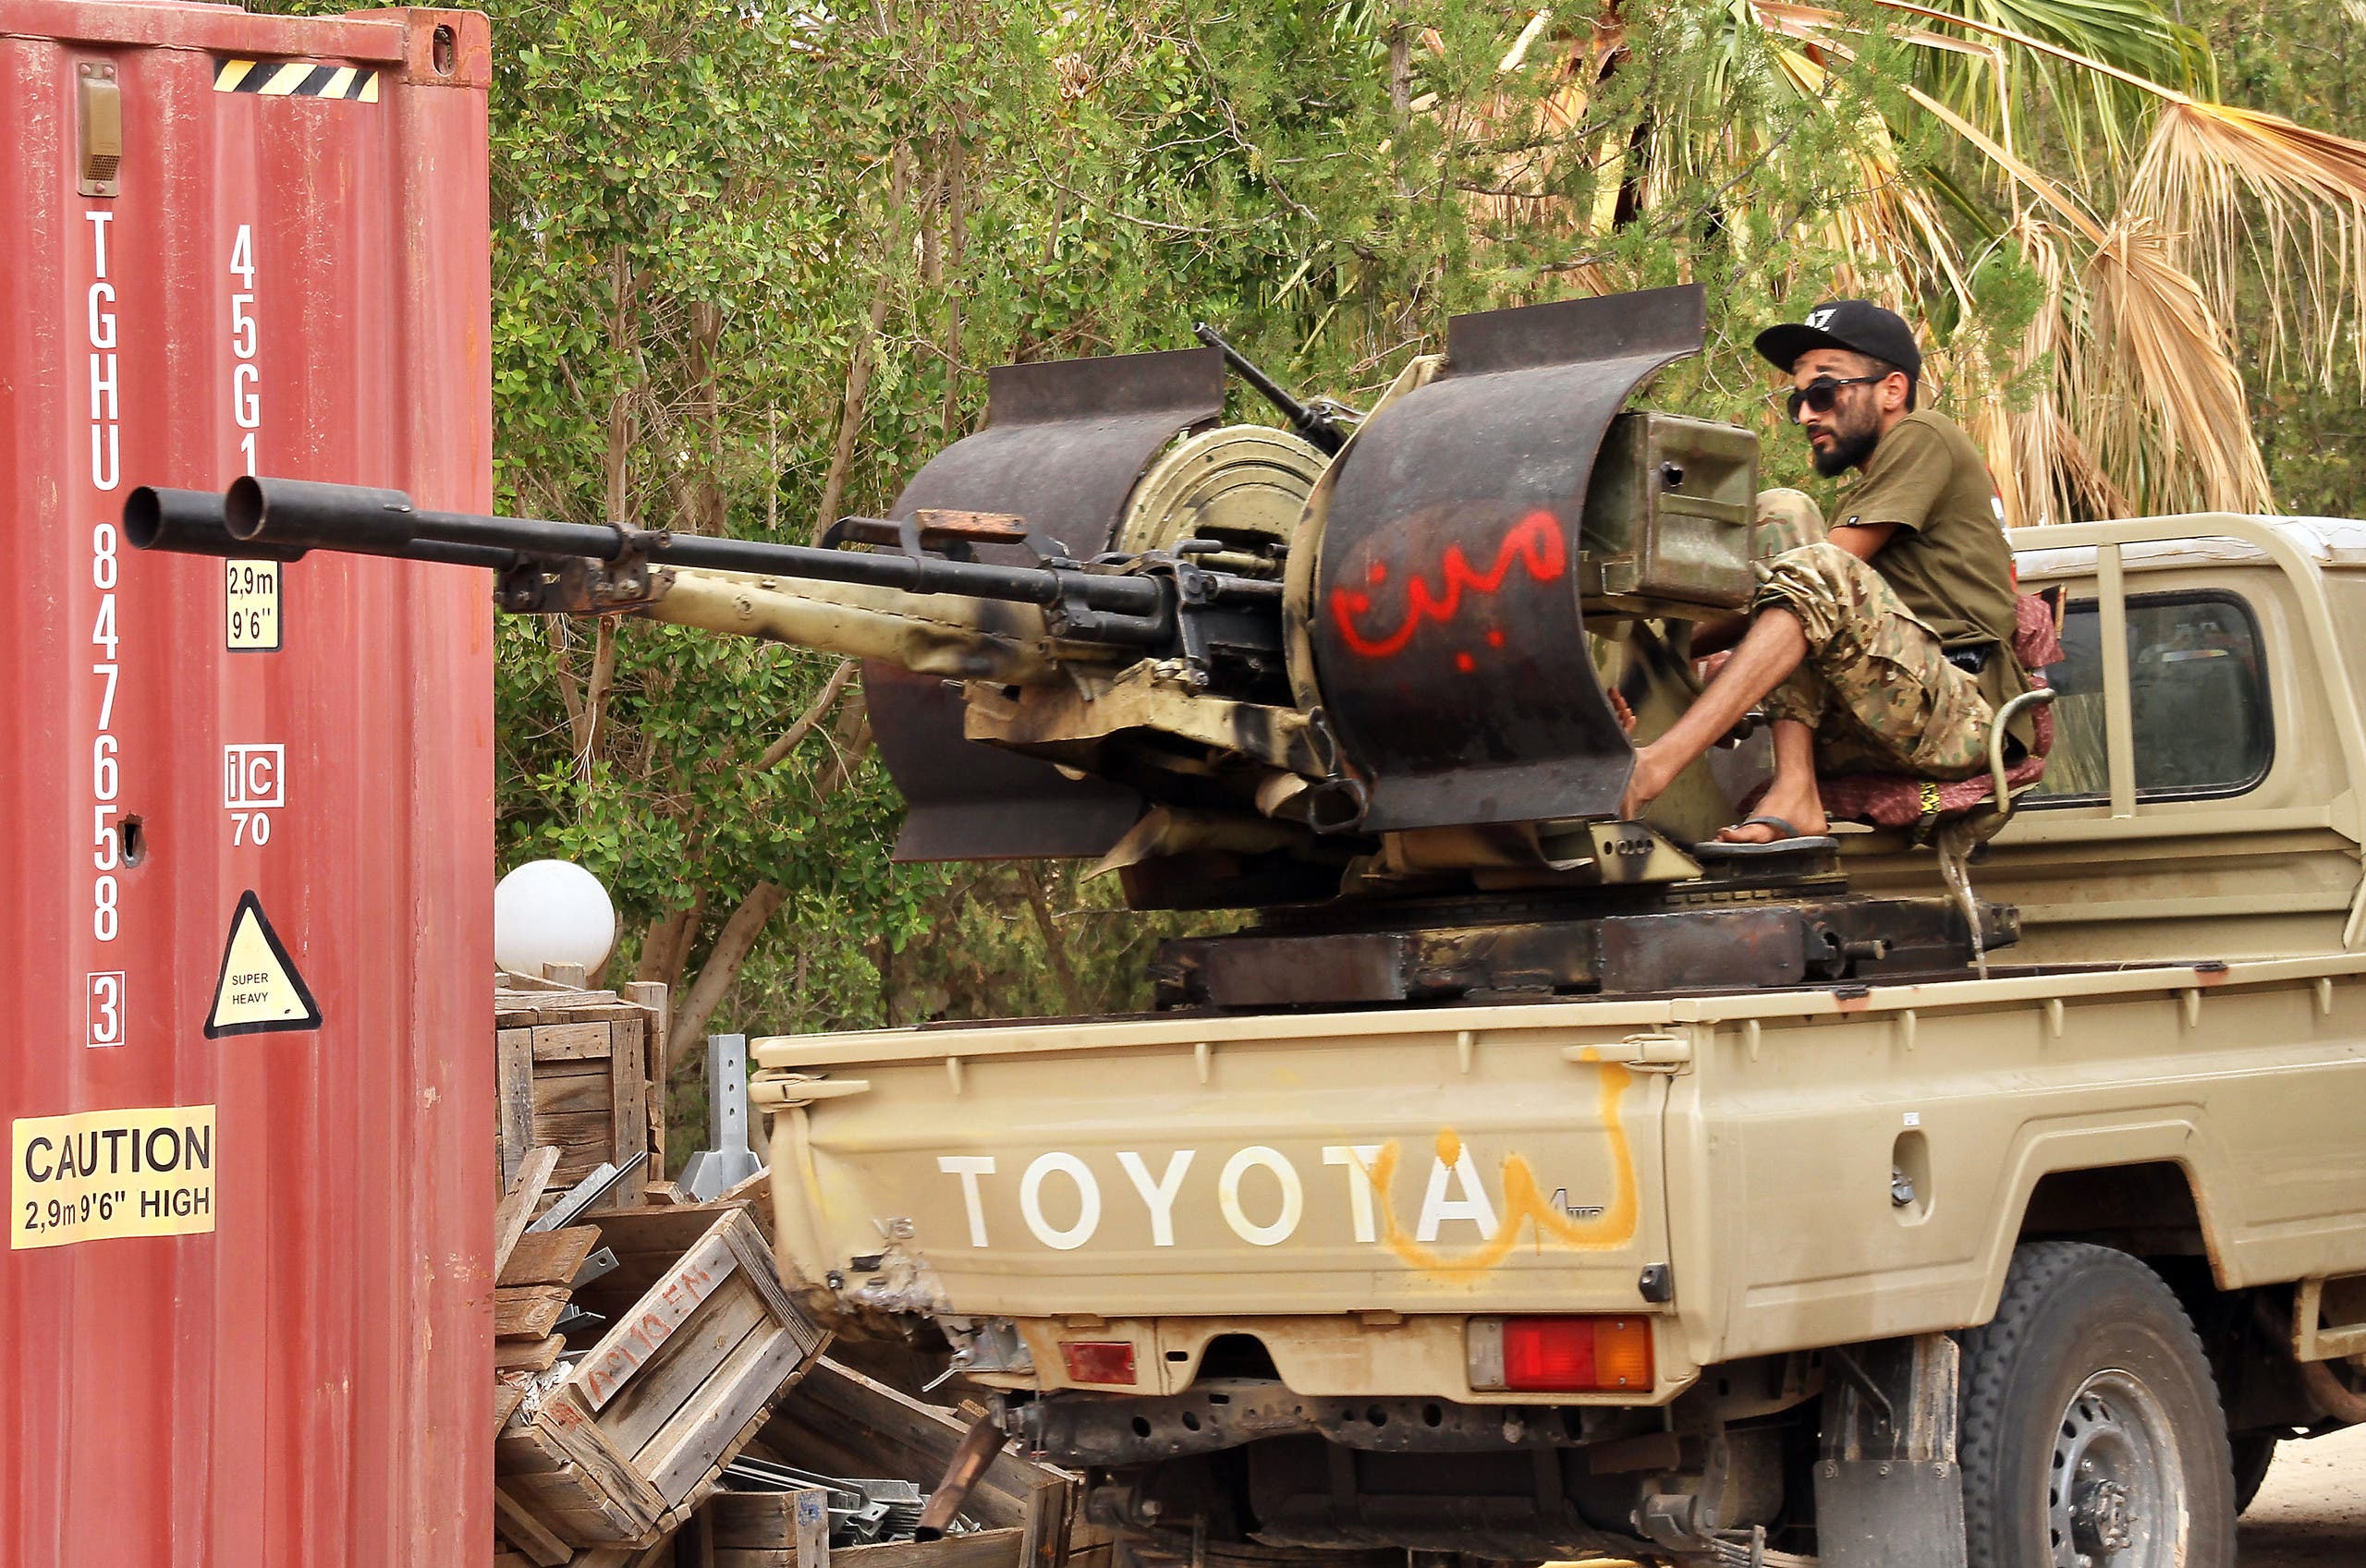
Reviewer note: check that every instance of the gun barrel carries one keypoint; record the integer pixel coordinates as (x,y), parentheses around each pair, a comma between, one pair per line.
(195,522)
(300,514)
(1316,427)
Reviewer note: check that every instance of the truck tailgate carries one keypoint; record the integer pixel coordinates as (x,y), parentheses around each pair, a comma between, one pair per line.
(1499,1158)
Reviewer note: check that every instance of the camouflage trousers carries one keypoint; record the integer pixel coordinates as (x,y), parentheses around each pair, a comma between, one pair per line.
(1876,686)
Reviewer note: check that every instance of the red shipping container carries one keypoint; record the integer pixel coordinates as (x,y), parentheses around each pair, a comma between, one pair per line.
(244,1309)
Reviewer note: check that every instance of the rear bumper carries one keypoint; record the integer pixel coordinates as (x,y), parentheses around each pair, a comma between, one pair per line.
(1078,1430)
(1334,1357)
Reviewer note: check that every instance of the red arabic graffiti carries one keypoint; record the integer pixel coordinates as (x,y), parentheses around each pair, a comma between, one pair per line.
(1534,541)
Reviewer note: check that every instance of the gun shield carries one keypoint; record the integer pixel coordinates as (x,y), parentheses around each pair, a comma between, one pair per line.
(1447,643)
(1064,445)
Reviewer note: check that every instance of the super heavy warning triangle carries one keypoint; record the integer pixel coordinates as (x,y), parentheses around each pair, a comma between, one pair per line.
(259,989)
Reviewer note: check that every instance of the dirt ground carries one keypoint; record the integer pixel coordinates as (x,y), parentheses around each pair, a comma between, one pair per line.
(2311,1514)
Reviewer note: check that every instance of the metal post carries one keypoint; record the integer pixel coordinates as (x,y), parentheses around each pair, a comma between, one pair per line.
(727,1159)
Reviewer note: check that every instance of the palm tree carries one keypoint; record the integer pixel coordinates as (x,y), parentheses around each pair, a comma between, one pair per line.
(2169,236)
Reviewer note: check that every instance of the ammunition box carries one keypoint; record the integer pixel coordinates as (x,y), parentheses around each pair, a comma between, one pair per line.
(1671,512)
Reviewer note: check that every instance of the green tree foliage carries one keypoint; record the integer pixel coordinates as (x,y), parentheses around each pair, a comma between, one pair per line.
(747,268)
(750,262)
(2301,61)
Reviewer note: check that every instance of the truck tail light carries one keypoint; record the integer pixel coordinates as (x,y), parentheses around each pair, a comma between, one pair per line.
(1099,1361)
(1622,1353)
(1561,1355)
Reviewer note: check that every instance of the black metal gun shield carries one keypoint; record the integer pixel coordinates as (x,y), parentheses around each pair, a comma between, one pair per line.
(1447,642)
(1063,445)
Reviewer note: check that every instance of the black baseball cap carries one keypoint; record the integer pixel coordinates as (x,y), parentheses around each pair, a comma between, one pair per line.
(1858,326)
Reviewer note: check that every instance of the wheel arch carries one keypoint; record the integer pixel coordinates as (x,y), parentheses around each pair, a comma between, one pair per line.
(2140,1187)
(2150,1208)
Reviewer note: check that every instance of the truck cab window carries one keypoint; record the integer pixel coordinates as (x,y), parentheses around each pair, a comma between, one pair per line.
(2198,696)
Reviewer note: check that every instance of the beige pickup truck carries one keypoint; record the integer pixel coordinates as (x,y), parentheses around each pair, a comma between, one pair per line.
(2036,1269)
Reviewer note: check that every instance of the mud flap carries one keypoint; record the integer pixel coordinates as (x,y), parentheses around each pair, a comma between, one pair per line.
(1888,1490)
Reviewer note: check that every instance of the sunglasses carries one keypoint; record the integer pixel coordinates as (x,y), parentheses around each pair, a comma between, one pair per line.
(1823,393)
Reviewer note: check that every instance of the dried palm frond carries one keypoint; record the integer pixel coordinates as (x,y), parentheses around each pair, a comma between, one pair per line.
(1518,52)
(2157,388)
(2084,483)
(2123,390)
(2231,185)
(2024,446)
(2102,116)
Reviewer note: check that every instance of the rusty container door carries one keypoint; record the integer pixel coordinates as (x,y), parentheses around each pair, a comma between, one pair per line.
(247,1079)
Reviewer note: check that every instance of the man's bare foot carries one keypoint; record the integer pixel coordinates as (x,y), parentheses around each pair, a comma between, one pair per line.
(1654,771)
(1802,809)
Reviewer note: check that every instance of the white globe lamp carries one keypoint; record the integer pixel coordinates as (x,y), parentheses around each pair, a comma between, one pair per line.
(551,912)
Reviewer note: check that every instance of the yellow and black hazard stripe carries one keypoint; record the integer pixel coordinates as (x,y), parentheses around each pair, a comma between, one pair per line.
(297,78)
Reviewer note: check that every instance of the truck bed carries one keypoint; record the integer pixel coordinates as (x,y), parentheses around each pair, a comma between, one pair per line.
(1737,1154)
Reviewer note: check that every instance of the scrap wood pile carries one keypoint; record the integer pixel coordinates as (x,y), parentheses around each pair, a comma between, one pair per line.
(659,1398)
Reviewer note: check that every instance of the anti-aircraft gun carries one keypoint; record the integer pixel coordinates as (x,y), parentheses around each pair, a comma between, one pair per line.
(1363,691)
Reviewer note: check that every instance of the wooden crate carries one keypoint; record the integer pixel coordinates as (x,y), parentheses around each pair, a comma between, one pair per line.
(761,1530)
(583,1071)
(701,1343)
(842,1423)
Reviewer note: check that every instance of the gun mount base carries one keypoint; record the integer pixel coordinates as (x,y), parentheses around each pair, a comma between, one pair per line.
(1499,951)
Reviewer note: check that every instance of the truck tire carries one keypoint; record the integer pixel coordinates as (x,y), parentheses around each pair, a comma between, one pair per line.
(2091,1435)
(2254,1452)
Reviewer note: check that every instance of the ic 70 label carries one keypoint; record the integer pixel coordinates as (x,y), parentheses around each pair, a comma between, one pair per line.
(254,784)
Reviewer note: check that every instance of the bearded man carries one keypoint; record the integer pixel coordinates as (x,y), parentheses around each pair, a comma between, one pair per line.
(1886,646)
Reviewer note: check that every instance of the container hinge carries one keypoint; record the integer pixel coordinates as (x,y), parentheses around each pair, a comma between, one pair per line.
(783,1091)
(1649,1052)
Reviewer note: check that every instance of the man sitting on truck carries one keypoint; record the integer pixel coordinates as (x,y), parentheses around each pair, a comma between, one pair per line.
(1886,647)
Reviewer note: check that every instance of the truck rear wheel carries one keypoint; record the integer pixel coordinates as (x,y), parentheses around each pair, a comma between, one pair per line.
(2254,1452)
(2091,1432)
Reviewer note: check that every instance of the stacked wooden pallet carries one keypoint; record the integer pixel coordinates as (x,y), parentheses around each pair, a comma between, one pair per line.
(644,1343)
(610,1436)
(534,1288)
(582,1072)
(1015,1512)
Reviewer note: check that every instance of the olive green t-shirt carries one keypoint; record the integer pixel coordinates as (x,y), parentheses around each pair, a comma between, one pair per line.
(1948,559)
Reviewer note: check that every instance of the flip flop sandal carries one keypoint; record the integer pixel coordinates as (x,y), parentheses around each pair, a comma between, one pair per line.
(1793,841)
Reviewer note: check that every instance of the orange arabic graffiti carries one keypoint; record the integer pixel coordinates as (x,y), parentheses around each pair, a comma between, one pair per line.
(1525,1202)
(1534,541)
